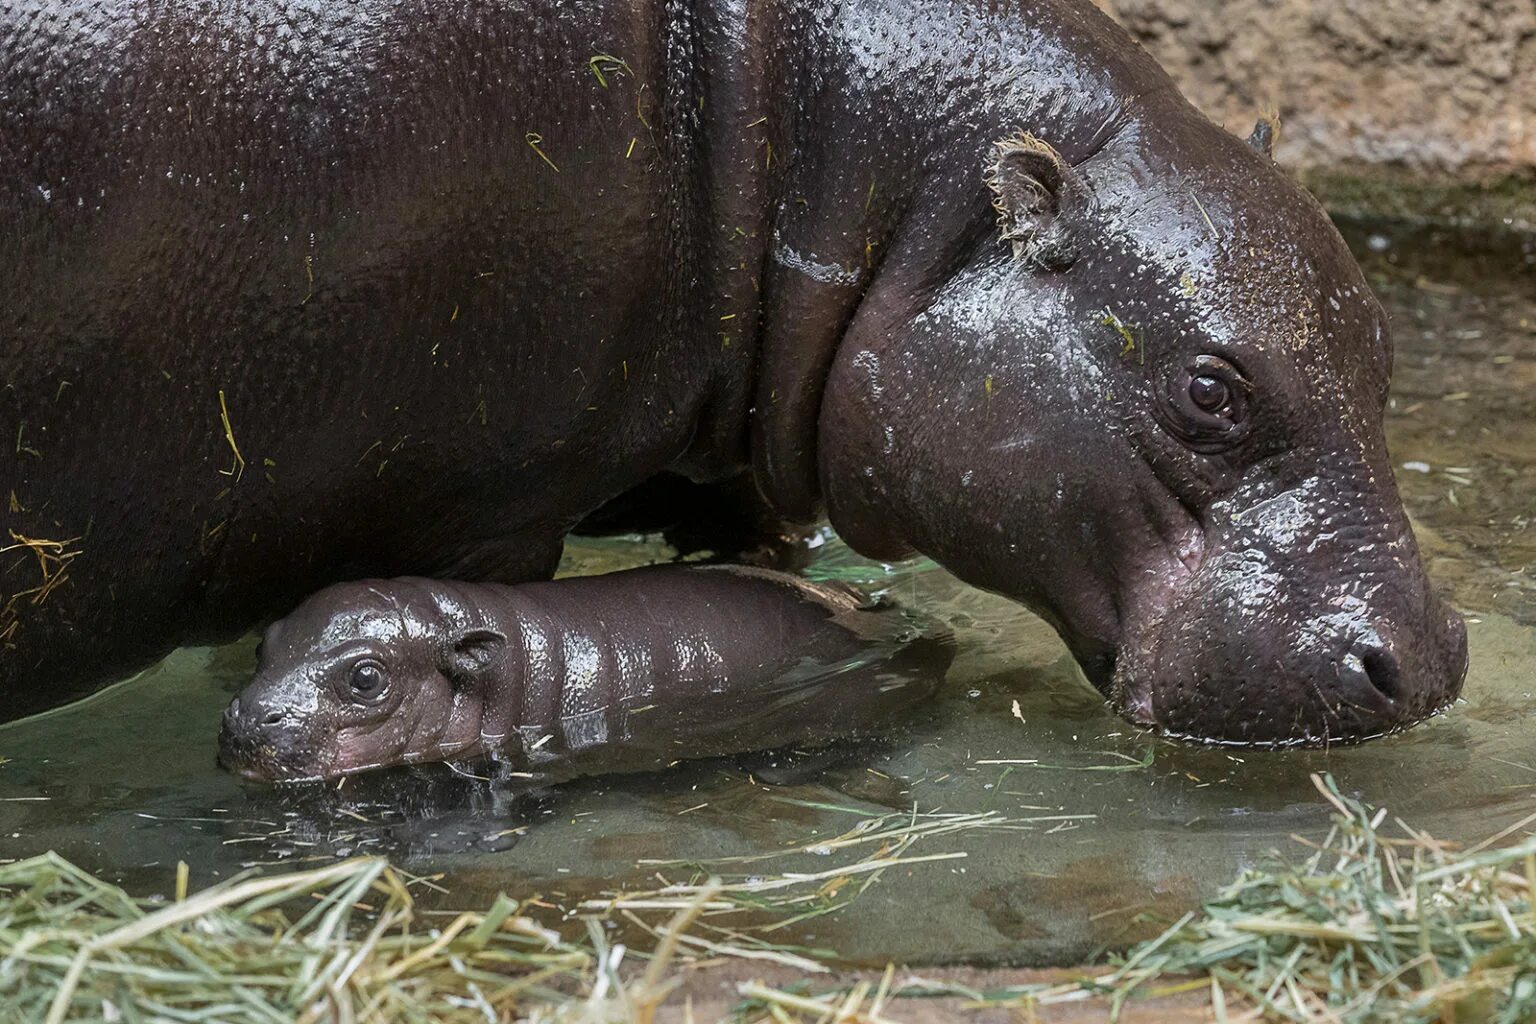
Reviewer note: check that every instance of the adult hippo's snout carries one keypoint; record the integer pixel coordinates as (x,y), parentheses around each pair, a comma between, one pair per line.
(1308,620)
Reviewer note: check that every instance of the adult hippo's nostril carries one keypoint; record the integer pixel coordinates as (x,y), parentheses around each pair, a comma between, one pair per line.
(274,717)
(1379,668)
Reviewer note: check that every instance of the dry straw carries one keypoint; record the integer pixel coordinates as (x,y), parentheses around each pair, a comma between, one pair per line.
(1369,928)
(345,943)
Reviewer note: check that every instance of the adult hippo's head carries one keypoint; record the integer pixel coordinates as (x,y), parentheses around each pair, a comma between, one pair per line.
(1144,397)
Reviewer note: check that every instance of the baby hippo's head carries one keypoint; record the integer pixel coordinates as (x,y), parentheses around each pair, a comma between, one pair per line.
(361,675)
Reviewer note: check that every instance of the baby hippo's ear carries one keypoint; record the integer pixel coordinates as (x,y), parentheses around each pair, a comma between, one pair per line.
(1040,201)
(471,652)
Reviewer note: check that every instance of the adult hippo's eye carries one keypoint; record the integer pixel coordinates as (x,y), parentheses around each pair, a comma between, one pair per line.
(368,681)
(1209,393)
(1206,403)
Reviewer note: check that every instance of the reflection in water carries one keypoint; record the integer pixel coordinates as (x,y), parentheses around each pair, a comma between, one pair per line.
(126,783)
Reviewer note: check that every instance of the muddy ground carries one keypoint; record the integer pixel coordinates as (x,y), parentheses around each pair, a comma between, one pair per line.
(1403,106)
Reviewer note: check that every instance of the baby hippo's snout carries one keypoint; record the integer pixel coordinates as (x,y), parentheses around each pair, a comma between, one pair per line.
(249,718)
(257,739)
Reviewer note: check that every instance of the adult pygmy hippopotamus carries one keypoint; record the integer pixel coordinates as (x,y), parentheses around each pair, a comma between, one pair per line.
(625,672)
(292,293)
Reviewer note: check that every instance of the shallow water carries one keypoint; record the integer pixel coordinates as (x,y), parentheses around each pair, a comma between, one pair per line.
(125,783)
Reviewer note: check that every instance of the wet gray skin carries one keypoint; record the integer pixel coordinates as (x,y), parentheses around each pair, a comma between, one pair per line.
(627,672)
(1174,447)
(308,293)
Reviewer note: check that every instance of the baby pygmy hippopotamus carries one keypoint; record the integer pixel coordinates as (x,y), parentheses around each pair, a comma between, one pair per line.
(626,672)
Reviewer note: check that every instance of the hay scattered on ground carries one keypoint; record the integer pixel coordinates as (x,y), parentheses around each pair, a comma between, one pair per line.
(1369,928)
(345,942)
(77,948)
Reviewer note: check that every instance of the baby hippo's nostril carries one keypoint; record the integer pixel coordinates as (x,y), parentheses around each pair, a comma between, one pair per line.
(274,717)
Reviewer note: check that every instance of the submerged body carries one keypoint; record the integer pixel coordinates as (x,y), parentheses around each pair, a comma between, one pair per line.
(294,293)
(627,672)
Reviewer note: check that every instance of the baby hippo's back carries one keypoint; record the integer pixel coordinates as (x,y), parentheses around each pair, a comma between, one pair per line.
(638,669)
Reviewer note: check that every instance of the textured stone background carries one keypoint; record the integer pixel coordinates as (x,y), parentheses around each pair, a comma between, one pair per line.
(1435,97)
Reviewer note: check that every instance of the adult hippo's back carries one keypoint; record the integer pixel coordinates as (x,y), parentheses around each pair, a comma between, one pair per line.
(297,292)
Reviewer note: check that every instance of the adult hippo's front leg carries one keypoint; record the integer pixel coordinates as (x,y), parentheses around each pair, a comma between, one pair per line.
(726,521)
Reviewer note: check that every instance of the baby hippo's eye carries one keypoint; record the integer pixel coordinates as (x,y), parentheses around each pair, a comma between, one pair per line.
(368,681)
(1209,393)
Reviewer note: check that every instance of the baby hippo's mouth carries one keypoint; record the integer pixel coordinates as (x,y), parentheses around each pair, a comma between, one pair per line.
(261,763)
(261,745)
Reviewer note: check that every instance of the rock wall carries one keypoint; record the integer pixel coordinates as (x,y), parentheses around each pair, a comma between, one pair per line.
(1426,103)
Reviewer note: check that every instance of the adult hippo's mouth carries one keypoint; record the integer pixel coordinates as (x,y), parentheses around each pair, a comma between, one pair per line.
(1276,593)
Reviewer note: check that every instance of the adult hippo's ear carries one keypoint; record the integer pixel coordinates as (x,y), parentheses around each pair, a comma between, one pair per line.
(1265,133)
(1040,200)
(470,652)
